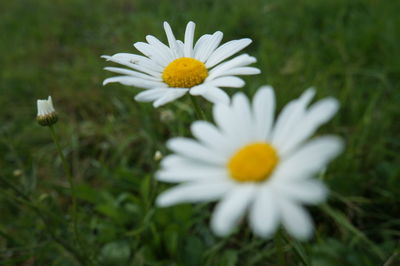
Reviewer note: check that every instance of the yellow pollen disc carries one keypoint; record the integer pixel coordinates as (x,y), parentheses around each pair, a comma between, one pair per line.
(253,163)
(184,72)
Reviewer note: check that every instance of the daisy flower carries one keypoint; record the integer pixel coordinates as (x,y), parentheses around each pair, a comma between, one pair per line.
(169,72)
(252,165)
(46,114)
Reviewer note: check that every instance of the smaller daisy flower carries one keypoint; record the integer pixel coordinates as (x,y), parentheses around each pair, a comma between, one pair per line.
(169,72)
(254,166)
(46,115)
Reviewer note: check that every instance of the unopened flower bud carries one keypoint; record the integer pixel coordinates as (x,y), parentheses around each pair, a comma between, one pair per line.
(167,116)
(46,115)
(158,155)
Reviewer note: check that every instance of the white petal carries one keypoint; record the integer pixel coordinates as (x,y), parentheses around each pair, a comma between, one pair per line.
(238,61)
(241,71)
(162,50)
(188,45)
(264,214)
(45,107)
(318,114)
(231,208)
(193,192)
(136,82)
(229,81)
(296,219)
(244,119)
(206,48)
(152,53)
(292,114)
(171,95)
(263,111)
(210,136)
(179,48)
(175,168)
(203,40)
(226,50)
(194,150)
(171,39)
(131,73)
(309,191)
(310,158)
(173,160)
(225,118)
(151,95)
(50,104)
(200,89)
(137,62)
(186,173)
(216,95)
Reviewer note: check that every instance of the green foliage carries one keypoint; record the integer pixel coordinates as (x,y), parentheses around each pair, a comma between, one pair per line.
(346,49)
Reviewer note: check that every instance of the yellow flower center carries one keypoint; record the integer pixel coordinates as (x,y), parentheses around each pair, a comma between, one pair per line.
(253,163)
(184,72)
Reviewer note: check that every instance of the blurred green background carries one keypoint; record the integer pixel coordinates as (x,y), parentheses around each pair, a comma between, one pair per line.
(346,49)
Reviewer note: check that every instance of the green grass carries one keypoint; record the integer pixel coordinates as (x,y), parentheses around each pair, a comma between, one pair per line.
(346,49)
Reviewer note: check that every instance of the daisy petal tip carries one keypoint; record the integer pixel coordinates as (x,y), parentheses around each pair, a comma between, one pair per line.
(340,144)
(162,201)
(156,104)
(311,91)
(335,104)
(171,143)
(107,57)
(248,41)
(305,236)
(335,143)
(265,91)
(262,233)
(239,96)
(137,98)
(159,175)
(220,230)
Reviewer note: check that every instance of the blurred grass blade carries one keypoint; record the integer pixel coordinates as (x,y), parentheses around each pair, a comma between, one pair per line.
(342,220)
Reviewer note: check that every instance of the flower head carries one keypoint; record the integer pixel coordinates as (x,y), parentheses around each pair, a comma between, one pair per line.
(46,115)
(253,165)
(168,72)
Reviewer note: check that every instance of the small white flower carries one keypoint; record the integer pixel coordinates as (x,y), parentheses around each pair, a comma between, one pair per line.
(169,72)
(46,115)
(253,165)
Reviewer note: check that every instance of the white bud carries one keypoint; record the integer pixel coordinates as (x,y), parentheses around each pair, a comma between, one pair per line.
(46,115)
(158,156)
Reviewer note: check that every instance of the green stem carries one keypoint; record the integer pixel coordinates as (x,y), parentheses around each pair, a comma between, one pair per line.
(71,184)
(200,114)
(279,246)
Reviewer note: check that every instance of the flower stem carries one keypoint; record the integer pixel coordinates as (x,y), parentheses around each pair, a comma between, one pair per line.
(279,246)
(71,184)
(200,114)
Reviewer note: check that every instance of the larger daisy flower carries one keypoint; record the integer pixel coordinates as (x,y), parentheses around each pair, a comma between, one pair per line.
(168,72)
(252,165)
